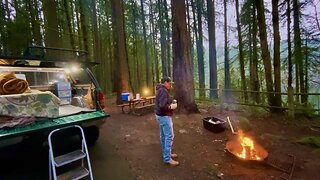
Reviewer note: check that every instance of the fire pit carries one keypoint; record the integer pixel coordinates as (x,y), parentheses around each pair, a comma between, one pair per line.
(245,148)
(214,124)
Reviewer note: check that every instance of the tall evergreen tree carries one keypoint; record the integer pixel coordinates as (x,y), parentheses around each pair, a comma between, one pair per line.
(35,21)
(227,81)
(297,50)
(241,56)
(96,33)
(146,53)
(166,14)
(68,18)
(52,38)
(289,43)
(264,49)
(154,34)
(122,73)
(212,49)
(84,26)
(200,49)
(254,71)
(276,52)
(182,74)
(164,60)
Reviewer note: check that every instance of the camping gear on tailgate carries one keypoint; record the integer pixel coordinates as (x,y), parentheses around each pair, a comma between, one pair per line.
(35,104)
(10,84)
(88,99)
(63,91)
(36,113)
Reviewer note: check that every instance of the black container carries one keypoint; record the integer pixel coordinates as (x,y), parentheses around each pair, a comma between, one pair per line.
(219,127)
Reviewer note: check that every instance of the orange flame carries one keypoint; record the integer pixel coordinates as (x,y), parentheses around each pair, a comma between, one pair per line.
(248,150)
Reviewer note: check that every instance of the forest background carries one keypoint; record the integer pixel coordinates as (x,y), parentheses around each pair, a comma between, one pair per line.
(246,45)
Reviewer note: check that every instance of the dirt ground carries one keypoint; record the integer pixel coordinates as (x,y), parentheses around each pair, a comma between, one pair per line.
(202,153)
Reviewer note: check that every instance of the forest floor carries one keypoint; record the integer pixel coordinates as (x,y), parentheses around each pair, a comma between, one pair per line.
(202,153)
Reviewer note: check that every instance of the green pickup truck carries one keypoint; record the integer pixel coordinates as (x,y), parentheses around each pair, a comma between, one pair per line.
(43,73)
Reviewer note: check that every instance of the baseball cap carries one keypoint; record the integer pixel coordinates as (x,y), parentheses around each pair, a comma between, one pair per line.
(166,79)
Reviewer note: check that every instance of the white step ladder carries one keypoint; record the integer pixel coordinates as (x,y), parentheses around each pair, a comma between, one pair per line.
(59,161)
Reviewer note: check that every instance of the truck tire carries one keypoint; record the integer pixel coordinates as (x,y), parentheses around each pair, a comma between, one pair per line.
(92,135)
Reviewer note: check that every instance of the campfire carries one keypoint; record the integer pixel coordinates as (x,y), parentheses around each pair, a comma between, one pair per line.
(245,148)
(248,150)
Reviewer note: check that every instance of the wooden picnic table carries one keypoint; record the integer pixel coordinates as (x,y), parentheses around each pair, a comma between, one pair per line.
(151,99)
(141,103)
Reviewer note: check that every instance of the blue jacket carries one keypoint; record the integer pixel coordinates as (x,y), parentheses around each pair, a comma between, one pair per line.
(163,101)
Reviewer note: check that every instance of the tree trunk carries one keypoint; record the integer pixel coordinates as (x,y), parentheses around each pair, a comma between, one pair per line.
(97,57)
(241,58)
(103,69)
(251,82)
(84,27)
(200,50)
(20,34)
(290,88)
(154,34)
(120,48)
(73,23)
(52,38)
(212,49)
(306,88)
(168,37)
(182,74)
(276,53)
(35,22)
(164,60)
(195,37)
(146,52)
(297,48)
(190,32)
(296,58)
(256,85)
(265,50)
(152,50)
(135,45)
(96,34)
(78,14)
(109,48)
(156,64)
(227,81)
(289,44)
(68,17)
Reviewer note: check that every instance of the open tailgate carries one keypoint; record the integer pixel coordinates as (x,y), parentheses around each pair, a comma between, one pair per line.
(52,123)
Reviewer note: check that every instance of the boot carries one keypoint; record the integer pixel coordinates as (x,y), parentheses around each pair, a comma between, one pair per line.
(173,155)
(173,163)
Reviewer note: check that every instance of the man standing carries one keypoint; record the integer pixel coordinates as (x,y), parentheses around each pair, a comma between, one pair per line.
(164,106)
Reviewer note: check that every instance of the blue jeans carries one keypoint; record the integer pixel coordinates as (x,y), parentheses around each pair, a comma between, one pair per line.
(166,136)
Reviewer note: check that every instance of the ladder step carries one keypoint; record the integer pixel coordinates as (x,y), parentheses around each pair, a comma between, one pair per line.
(69,158)
(74,174)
